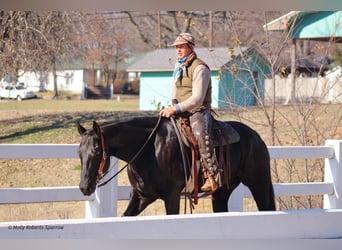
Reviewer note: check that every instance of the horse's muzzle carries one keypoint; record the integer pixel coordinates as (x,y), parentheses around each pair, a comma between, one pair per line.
(87,190)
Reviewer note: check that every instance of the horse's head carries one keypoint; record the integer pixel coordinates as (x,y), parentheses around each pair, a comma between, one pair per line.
(93,156)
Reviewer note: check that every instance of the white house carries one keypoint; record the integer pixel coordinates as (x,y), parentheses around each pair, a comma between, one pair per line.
(67,80)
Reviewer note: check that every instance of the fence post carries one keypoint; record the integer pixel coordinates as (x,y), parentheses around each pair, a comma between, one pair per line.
(333,174)
(105,198)
(84,91)
(111,91)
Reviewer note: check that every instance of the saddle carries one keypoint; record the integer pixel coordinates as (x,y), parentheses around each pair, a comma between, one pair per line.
(223,134)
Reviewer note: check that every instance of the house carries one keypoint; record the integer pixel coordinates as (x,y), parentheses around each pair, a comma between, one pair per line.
(78,77)
(322,26)
(237,76)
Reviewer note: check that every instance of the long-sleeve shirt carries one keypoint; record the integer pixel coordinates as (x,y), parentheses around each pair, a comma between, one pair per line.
(200,83)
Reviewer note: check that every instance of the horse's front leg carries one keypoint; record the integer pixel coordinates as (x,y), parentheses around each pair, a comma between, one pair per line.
(136,204)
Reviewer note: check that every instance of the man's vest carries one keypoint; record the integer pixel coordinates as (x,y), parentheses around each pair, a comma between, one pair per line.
(184,86)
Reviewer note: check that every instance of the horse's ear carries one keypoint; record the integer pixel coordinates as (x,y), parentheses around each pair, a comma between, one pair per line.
(80,129)
(96,128)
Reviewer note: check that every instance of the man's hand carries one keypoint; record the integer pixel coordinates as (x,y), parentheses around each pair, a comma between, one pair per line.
(168,112)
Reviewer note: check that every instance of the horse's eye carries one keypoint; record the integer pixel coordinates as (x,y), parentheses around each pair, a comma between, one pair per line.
(97,149)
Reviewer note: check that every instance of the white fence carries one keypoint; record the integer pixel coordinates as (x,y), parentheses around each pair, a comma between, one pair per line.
(302,224)
(318,89)
(104,202)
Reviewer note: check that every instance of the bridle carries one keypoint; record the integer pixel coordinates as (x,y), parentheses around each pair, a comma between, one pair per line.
(100,173)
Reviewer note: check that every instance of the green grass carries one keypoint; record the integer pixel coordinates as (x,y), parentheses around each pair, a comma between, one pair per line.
(54,121)
(125,103)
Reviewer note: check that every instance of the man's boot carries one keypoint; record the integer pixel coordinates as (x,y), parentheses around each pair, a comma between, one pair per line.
(209,185)
(212,175)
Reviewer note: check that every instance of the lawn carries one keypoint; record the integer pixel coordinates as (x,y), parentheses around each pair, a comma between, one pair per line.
(53,121)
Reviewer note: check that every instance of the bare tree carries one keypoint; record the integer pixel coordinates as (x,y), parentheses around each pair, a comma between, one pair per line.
(35,41)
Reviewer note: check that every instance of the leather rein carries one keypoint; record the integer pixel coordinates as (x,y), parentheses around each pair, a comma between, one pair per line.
(194,156)
(100,173)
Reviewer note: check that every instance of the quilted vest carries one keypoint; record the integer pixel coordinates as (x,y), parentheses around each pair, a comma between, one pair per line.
(184,86)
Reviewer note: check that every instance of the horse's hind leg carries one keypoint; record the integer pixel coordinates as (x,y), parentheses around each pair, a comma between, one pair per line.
(220,199)
(263,195)
(257,178)
(221,196)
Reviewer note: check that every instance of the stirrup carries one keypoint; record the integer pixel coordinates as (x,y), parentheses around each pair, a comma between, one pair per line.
(209,185)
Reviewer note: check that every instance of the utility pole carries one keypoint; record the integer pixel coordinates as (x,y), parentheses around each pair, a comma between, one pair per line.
(210,35)
(292,95)
(159,32)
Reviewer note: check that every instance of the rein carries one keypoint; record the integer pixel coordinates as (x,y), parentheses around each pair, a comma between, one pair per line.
(104,156)
(193,166)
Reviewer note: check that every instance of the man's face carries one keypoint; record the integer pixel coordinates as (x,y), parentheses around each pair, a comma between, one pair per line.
(183,50)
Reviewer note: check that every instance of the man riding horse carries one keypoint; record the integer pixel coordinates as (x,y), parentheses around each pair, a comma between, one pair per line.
(191,93)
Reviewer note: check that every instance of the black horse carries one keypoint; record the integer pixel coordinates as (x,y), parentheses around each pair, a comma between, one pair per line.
(155,165)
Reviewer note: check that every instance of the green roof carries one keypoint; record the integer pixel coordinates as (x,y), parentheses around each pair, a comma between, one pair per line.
(315,25)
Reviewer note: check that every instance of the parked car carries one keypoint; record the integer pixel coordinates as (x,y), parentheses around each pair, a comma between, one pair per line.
(18,92)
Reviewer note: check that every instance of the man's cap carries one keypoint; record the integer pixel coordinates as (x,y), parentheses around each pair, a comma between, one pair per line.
(184,38)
